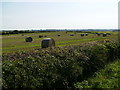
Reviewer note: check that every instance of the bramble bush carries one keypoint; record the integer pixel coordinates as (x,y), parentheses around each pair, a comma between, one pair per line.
(58,67)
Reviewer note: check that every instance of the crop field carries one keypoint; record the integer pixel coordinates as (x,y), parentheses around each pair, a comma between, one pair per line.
(16,42)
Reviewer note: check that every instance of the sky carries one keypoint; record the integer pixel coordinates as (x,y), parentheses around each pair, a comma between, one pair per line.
(58,14)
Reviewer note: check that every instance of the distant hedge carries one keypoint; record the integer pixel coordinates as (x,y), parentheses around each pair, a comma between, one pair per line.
(56,67)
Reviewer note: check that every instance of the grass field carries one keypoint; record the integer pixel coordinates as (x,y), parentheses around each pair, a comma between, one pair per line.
(16,42)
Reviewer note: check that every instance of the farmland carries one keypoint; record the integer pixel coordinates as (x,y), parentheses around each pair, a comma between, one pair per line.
(75,62)
(16,42)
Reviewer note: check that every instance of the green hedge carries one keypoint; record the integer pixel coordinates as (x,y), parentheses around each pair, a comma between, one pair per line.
(56,67)
(107,78)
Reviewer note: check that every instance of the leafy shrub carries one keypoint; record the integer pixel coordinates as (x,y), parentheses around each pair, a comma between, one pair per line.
(105,78)
(54,68)
(114,50)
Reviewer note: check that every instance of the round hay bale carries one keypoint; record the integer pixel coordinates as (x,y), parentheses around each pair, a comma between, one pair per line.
(48,42)
(40,36)
(98,34)
(108,34)
(104,34)
(82,34)
(71,34)
(45,36)
(86,34)
(28,39)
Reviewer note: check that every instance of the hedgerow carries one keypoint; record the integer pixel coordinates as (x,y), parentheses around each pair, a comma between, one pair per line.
(107,78)
(58,67)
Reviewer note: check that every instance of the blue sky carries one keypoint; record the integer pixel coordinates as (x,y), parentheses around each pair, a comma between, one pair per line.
(82,14)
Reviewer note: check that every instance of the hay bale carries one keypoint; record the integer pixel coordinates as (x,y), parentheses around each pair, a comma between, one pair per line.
(71,34)
(82,34)
(104,34)
(45,35)
(108,34)
(28,39)
(86,34)
(47,42)
(98,34)
(40,36)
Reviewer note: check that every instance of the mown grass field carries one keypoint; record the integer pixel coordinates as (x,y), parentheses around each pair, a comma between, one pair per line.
(16,42)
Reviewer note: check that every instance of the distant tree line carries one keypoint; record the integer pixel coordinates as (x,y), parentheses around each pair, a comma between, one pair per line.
(53,30)
(15,32)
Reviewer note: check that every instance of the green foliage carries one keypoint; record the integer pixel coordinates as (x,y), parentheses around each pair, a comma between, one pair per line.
(114,50)
(54,67)
(105,78)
